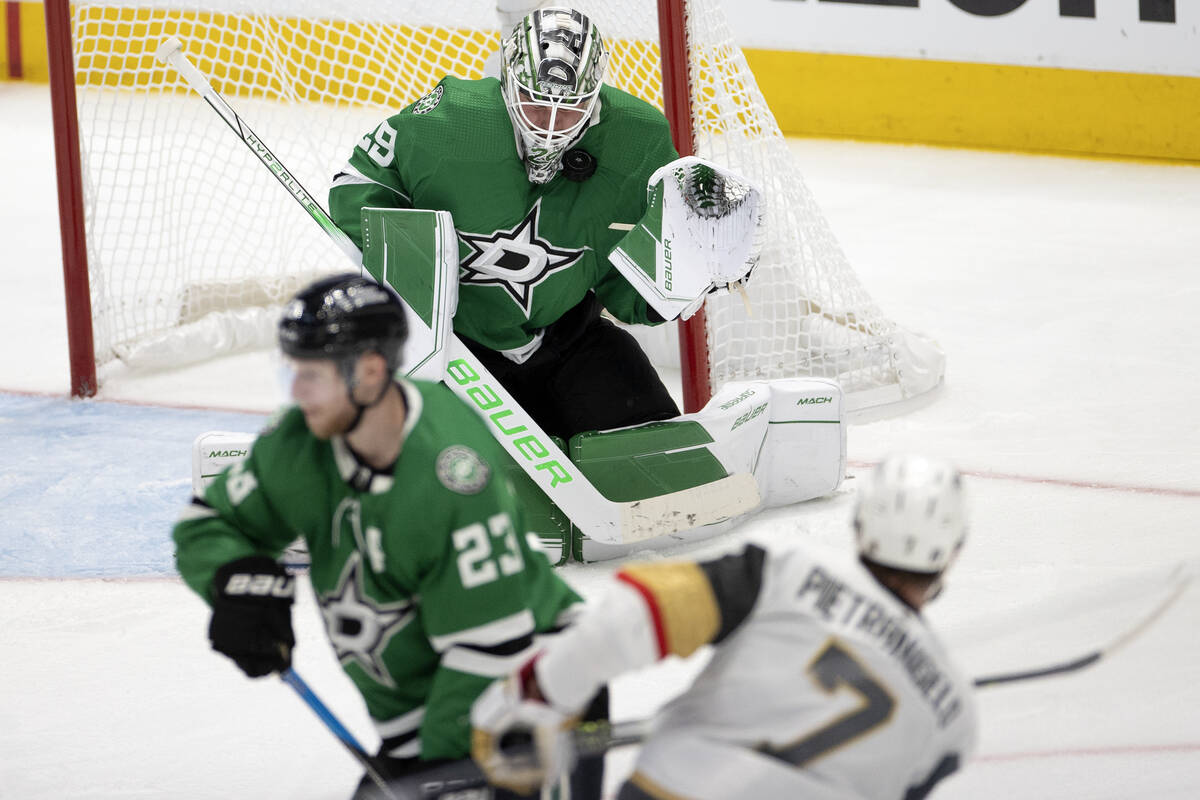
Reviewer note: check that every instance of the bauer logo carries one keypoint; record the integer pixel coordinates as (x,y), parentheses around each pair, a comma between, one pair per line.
(260,585)
(749,415)
(666,263)
(517,437)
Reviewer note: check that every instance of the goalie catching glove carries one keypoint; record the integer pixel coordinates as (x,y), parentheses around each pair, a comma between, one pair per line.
(518,740)
(701,233)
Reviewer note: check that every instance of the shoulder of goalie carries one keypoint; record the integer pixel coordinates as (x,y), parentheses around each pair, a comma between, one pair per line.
(702,232)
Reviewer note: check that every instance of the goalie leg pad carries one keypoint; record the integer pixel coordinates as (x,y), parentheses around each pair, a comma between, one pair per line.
(214,451)
(804,455)
(790,433)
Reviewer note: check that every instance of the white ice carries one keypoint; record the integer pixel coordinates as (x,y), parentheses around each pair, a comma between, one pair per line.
(1064,292)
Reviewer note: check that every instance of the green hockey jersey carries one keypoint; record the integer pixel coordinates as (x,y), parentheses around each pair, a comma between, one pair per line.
(528,252)
(426,581)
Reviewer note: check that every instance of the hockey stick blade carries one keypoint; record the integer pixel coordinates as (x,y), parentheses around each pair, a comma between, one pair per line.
(689,508)
(1093,657)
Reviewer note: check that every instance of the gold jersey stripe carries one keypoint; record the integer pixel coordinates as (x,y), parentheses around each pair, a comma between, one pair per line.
(681,600)
(652,789)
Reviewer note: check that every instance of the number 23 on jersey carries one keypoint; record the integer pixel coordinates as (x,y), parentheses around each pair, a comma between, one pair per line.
(487,552)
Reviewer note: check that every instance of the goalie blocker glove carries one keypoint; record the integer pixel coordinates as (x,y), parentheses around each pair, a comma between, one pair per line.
(252,615)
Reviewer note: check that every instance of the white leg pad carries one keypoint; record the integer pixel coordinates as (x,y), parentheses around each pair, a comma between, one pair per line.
(213,451)
(790,433)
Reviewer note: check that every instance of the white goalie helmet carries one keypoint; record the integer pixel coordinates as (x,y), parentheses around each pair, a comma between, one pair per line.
(911,514)
(553,67)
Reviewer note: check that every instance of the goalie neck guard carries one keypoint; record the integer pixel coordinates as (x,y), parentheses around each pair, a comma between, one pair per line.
(554,62)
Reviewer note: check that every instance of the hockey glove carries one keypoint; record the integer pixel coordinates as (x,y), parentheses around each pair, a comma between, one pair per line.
(252,615)
(518,740)
(702,232)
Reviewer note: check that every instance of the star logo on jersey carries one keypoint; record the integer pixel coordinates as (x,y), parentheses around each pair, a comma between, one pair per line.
(516,259)
(359,628)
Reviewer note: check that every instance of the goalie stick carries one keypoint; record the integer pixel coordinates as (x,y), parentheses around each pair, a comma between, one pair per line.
(603,520)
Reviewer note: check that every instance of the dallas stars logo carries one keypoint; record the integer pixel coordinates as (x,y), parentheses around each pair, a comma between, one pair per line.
(516,259)
(359,628)
(429,102)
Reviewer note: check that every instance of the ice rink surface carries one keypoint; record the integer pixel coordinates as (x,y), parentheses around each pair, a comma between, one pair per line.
(1064,292)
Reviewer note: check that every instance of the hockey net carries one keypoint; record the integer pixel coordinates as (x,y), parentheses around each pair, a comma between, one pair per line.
(191,244)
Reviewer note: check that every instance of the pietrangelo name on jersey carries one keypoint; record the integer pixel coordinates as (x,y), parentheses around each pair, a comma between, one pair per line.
(836,602)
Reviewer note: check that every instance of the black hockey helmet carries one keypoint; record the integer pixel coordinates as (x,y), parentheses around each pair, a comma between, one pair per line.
(342,317)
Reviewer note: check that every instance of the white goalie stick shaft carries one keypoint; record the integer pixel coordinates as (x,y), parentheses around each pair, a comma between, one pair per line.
(601,519)
(171,52)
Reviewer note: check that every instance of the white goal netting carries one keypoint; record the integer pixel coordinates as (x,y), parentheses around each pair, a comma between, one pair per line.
(192,243)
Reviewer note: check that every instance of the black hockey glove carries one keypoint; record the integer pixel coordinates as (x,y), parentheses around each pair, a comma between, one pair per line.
(252,615)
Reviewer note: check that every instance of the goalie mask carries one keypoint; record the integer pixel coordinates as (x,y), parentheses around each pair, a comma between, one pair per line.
(553,67)
(911,515)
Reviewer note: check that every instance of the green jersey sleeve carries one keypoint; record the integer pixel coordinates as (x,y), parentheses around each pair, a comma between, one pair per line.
(236,517)
(369,180)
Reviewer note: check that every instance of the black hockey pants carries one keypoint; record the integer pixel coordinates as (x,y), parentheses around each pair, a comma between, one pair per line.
(587,375)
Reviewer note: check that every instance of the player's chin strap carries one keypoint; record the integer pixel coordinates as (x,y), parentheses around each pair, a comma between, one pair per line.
(361,408)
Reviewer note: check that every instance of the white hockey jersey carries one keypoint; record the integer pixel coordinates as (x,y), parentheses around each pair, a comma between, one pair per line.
(823,684)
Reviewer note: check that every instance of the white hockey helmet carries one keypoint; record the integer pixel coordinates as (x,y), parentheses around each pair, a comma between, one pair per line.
(911,514)
(553,68)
